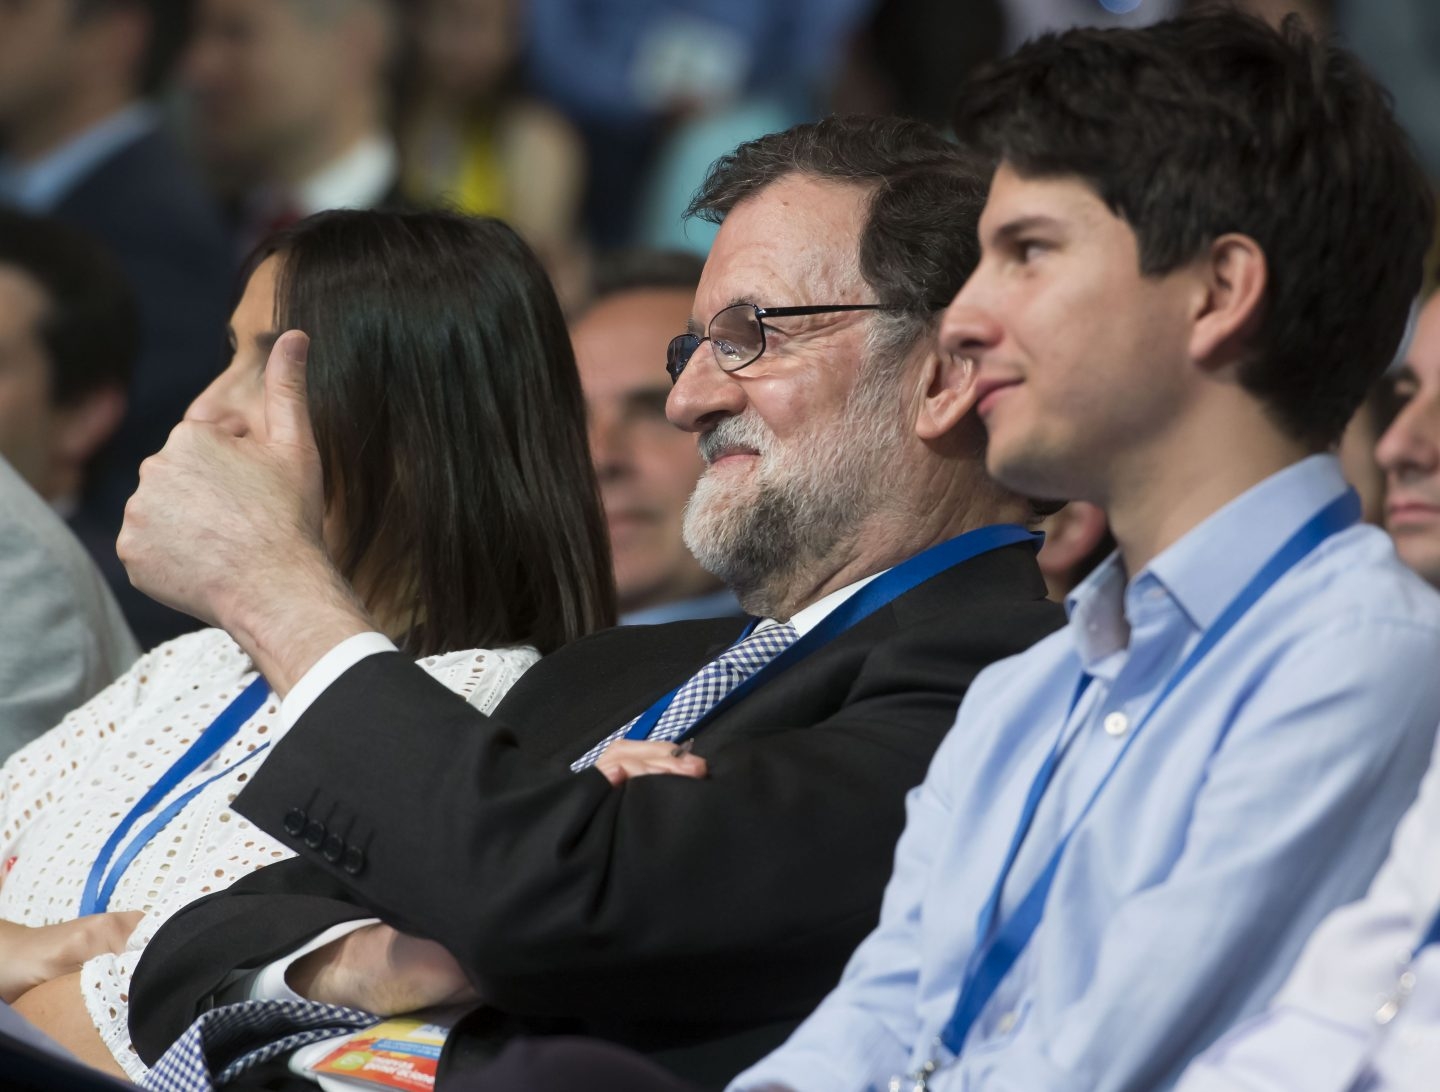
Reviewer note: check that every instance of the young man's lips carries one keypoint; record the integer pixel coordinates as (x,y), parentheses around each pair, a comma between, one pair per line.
(989,391)
(1401,511)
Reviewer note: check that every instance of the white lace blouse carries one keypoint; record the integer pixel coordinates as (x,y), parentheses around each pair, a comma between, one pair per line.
(62,796)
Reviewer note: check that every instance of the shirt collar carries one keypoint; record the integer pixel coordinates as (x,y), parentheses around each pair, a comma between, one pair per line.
(359,179)
(40,185)
(1209,566)
(807,618)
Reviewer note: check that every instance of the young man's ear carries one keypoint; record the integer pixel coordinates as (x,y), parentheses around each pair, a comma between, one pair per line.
(945,392)
(1230,302)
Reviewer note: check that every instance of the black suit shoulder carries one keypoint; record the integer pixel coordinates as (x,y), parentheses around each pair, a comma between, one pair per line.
(145,199)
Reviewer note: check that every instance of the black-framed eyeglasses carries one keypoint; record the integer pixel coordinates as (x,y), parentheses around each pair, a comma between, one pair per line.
(737,334)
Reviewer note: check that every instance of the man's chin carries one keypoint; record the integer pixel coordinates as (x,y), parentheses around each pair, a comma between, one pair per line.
(1030,473)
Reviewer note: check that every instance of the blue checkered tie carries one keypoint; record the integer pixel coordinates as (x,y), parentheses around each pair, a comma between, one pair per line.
(707,688)
(225,1042)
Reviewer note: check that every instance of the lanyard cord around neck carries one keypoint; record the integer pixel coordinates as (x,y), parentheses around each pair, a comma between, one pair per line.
(995,955)
(99,887)
(884,589)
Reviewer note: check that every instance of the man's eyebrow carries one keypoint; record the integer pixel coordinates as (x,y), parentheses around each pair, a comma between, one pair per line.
(1403,374)
(694,325)
(1012,228)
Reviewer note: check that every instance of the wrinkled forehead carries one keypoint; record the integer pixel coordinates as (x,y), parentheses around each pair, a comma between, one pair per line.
(796,242)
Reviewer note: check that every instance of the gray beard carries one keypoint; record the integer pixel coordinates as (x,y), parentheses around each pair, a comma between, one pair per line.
(812,495)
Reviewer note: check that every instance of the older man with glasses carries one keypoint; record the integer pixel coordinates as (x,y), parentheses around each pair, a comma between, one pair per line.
(696,917)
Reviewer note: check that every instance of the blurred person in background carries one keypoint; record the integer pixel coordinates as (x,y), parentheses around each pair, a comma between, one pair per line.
(1362,1007)
(1409,451)
(1400,41)
(1077,538)
(64,638)
(68,337)
(684,79)
(647,467)
(290,103)
(79,141)
(473,139)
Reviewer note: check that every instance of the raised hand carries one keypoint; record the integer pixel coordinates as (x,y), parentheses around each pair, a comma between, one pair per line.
(230,528)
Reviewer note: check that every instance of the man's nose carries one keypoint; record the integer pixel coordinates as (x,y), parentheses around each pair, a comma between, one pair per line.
(610,446)
(213,406)
(966,328)
(704,394)
(1411,445)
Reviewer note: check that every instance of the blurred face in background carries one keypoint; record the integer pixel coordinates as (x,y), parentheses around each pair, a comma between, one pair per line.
(468,46)
(1409,452)
(265,76)
(35,40)
(25,410)
(647,467)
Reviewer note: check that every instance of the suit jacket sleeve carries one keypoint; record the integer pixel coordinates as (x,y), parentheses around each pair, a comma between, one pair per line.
(564,897)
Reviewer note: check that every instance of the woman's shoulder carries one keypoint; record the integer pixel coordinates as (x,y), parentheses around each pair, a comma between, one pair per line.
(481,675)
(195,657)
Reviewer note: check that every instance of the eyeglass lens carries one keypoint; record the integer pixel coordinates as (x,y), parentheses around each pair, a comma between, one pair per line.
(735,332)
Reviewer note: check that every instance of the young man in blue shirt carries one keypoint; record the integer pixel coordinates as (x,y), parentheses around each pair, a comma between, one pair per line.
(1198,251)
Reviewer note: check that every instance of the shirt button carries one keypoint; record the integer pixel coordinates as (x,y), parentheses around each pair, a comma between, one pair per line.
(1006,1024)
(1116,725)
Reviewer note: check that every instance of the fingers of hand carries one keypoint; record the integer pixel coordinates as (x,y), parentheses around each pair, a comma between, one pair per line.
(287,417)
(626,758)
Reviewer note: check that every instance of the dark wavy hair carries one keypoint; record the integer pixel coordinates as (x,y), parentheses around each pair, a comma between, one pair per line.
(1216,123)
(447,410)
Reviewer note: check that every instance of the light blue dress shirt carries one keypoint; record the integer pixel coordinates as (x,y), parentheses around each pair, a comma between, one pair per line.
(1261,795)
(39,186)
(1344,1022)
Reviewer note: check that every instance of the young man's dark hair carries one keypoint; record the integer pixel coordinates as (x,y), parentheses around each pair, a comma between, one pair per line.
(90,329)
(1217,123)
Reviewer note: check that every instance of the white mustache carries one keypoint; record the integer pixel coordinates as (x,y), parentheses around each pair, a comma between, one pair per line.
(734,433)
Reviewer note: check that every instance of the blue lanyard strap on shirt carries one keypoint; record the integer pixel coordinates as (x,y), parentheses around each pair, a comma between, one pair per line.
(884,589)
(1432,936)
(993,958)
(98,886)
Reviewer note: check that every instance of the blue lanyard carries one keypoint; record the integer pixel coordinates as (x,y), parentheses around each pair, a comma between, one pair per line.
(96,898)
(993,957)
(1432,936)
(884,589)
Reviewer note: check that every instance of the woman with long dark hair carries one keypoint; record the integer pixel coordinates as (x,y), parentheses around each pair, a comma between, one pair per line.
(460,505)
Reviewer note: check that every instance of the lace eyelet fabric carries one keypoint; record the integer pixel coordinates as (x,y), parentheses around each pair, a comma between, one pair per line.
(63,794)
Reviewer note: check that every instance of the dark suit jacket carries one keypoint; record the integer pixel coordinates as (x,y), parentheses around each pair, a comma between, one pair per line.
(147,207)
(697,921)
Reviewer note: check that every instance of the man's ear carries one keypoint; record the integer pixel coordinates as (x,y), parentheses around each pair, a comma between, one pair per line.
(946,389)
(1234,277)
(82,429)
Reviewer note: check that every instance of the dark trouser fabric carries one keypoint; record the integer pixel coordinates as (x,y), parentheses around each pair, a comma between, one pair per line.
(565,1064)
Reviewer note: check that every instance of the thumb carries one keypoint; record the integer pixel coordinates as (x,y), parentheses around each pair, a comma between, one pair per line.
(287,418)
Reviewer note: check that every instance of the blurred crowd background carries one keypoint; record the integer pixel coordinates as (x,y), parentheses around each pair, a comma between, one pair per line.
(175,134)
